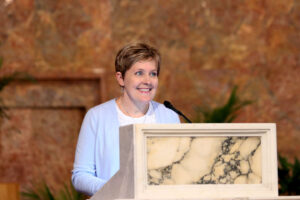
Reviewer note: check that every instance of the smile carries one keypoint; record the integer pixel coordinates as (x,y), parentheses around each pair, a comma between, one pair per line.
(144,89)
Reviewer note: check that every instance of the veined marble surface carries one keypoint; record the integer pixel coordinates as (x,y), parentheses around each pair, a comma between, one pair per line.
(203,160)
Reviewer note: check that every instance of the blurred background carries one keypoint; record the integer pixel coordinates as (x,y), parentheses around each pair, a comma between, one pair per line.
(208,47)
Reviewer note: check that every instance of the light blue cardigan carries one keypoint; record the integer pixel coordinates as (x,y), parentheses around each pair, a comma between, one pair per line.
(97,151)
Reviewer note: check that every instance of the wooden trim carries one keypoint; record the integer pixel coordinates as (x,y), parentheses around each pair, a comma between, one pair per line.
(9,191)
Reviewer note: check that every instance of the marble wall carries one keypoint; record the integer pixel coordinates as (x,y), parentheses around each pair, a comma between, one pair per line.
(207,48)
(39,136)
(36,147)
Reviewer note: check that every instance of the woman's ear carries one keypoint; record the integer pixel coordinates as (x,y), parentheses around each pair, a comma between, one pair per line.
(120,79)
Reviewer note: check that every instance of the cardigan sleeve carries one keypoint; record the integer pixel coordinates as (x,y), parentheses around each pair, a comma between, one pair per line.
(174,118)
(84,170)
(165,115)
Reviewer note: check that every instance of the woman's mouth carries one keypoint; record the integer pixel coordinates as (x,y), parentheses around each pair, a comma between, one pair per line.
(144,90)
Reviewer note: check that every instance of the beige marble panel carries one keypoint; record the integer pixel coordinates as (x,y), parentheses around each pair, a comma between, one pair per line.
(203,160)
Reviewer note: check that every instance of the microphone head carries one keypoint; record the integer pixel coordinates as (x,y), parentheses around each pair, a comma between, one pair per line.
(168,104)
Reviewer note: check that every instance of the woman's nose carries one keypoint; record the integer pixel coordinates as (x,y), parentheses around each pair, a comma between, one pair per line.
(147,79)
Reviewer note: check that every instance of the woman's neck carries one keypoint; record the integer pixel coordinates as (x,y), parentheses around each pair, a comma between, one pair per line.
(131,108)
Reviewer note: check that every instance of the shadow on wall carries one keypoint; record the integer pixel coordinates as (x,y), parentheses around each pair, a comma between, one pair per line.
(6,80)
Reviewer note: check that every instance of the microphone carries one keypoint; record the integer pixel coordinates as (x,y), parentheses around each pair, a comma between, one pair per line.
(170,106)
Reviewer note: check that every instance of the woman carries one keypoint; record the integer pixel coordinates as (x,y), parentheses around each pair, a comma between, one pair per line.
(97,153)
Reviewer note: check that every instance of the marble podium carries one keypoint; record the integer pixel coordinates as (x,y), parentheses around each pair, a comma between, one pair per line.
(195,161)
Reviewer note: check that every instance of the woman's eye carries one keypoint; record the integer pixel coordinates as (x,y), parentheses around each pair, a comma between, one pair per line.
(153,74)
(139,73)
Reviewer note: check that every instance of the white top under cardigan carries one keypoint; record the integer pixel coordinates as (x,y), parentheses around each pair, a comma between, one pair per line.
(148,118)
(97,151)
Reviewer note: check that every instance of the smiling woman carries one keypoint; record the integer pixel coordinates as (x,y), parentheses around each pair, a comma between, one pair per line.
(139,87)
(97,153)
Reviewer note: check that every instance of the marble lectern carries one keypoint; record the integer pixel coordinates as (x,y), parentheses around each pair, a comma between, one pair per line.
(195,161)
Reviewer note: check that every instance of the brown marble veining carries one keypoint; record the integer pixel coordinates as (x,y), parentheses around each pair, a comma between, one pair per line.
(36,146)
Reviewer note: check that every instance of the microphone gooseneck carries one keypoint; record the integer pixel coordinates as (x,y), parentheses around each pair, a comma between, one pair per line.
(170,106)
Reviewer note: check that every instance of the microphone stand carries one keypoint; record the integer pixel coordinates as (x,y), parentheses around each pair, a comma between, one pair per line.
(170,106)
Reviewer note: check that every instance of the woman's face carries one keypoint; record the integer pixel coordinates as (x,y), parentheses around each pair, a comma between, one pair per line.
(140,82)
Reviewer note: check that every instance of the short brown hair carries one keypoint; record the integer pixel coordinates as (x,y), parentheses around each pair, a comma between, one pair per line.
(135,52)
